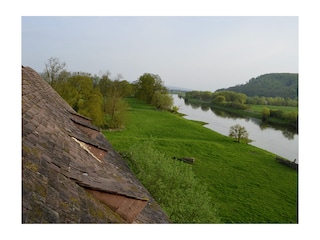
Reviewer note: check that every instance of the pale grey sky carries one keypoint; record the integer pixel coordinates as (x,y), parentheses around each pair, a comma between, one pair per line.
(200,53)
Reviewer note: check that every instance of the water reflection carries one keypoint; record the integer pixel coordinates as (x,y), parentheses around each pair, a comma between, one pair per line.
(204,106)
(287,132)
(280,140)
(224,114)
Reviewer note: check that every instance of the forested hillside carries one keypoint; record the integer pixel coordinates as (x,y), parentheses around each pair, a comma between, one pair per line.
(269,85)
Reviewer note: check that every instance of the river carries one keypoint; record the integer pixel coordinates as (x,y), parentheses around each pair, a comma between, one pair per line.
(280,141)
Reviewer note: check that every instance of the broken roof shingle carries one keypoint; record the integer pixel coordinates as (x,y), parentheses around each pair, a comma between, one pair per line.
(70,173)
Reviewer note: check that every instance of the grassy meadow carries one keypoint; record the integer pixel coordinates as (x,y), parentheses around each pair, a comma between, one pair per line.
(258,108)
(246,184)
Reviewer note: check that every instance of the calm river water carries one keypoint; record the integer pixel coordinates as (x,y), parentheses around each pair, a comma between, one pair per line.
(282,142)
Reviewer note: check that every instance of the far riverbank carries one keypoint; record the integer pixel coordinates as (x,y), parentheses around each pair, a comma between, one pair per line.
(276,139)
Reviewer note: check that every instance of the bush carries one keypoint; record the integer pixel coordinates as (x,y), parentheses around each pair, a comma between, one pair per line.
(265,114)
(162,101)
(238,133)
(173,185)
(276,113)
(291,117)
(237,105)
(219,99)
(115,113)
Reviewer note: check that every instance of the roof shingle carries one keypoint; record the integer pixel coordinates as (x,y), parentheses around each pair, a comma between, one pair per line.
(70,173)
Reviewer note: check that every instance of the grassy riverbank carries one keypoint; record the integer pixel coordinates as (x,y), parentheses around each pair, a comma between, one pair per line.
(255,111)
(246,183)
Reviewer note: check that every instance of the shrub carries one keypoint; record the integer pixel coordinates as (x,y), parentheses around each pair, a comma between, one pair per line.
(238,133)
(265,114)
(291,117)
(173,185)
(162,101)
(115,113)
(276,113)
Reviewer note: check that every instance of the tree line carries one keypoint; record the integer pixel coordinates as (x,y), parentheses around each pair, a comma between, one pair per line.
(223,98)
(102,98)
(275,101)
(269,85)
(241,101)
(240,98)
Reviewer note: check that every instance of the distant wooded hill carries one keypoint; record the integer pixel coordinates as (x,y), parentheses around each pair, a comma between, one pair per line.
(269,85)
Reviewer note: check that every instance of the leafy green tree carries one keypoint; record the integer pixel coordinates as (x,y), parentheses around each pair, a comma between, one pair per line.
(162,101)
(147,85)
(83,87)
(93,109)
(276,101)
(113,104)
(230,99)
(116,107)
(63,76)
(126,88)
(265,114)
(79,93)
(116,113)
(206,96)
(104,85)
(219,99)
(291,117)
(95,80)
(175,109)
(68,93)
(238,133)
(277,113)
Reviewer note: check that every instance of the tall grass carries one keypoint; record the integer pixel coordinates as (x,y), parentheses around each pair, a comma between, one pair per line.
(173,185)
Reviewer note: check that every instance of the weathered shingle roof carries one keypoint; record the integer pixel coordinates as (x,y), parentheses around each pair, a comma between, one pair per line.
(70,173)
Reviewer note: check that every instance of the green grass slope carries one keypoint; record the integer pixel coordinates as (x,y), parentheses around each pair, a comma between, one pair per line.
(246,183)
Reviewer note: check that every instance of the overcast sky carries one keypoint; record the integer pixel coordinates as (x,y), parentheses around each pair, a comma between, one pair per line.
(199,53)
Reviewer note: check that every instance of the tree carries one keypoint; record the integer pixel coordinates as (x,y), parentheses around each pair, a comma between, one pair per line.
(147,85)
(53,67)
(116,112)
(115,106)
(104,86)
(79,93)
(63,76)
(113,93)
(219,99)
(162,101)
(93,108)
(238,132)
(265,114)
